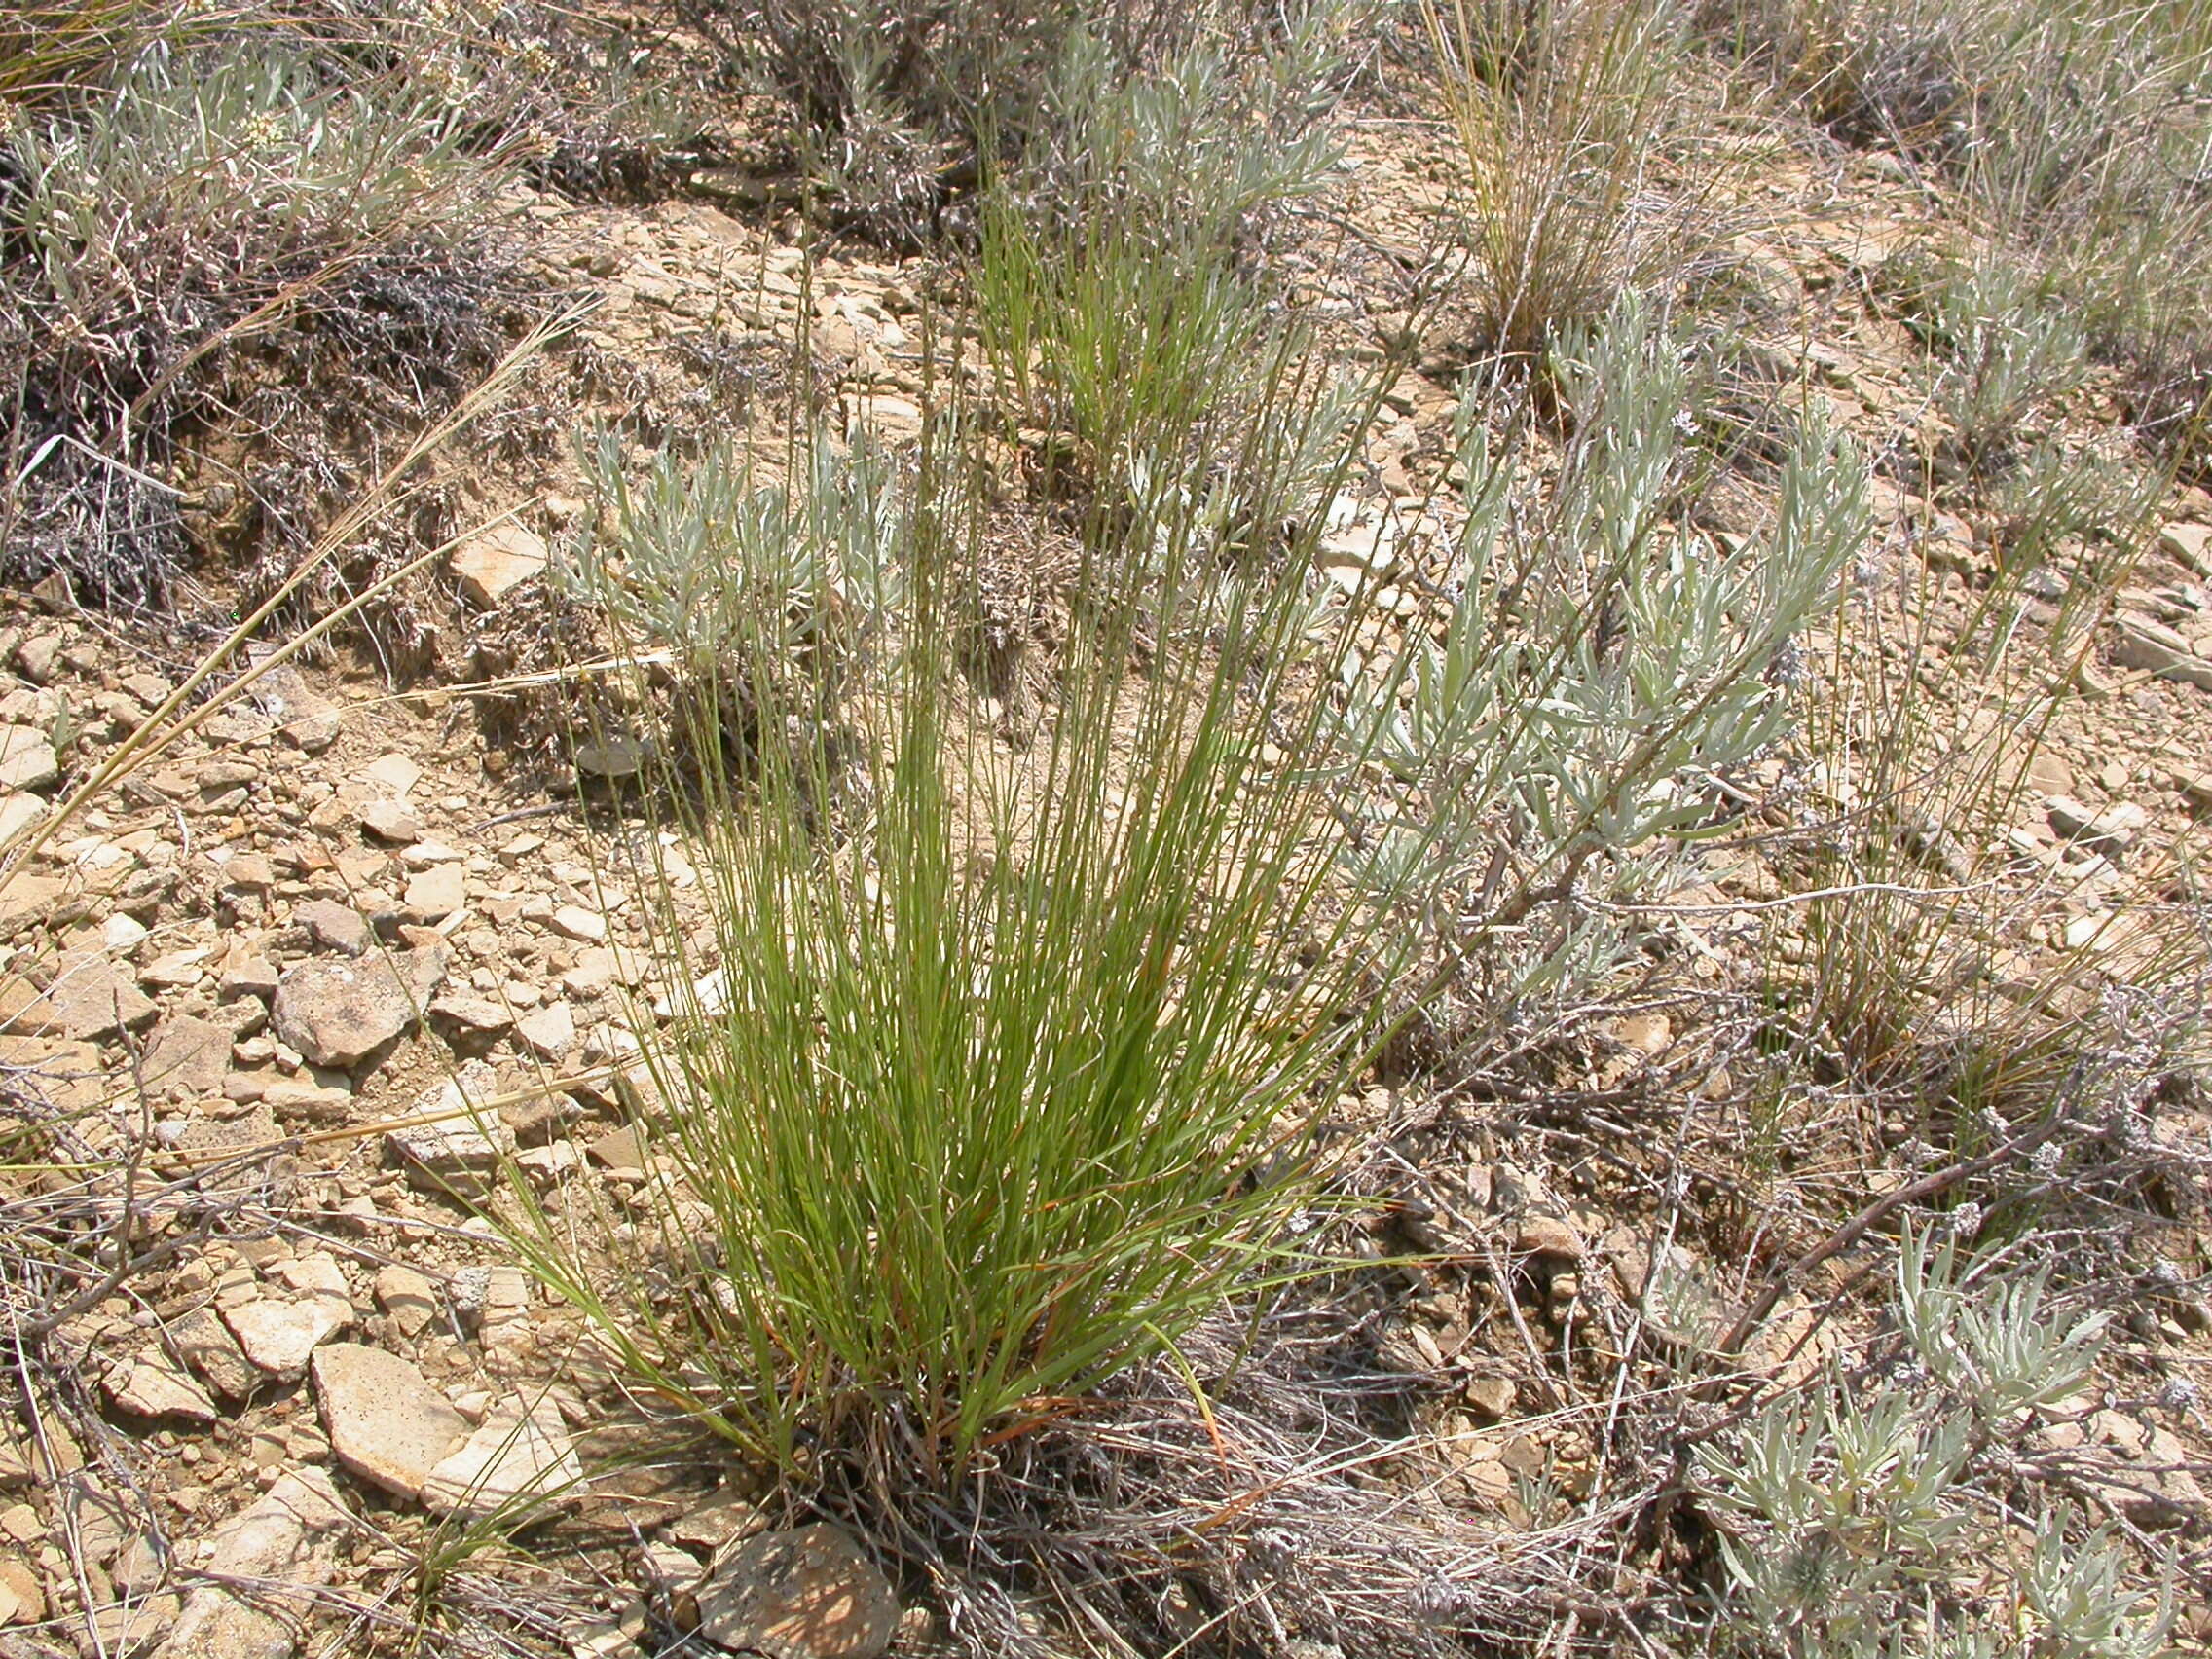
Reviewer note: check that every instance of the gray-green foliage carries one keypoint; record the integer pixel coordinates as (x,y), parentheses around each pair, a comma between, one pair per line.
(1006,1064)
(1851,1515)
(1119,286)
(1602,658)
(1999,1348)
(736,574)
(2013,348)
(193,176)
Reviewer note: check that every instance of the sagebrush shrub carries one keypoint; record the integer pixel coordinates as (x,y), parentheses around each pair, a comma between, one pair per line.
(197,203)
(1601,660)
(1857,1520)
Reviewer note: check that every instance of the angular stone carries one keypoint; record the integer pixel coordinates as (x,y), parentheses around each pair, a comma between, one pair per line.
(550,1032)
(335,926)
(810,1591)
(280,1336)
(386,1423)
(248,977)
(19,813)
(619,1153)
(2190,543)
(407,1297)
(493,563)
(1547,1235)
(86,999)
(432,895)
(152,1387)
(2112,832)
(22,1597)
(514,1459)
(211,1353)
(337,1014)
(121,933)
(27,761)
(2156,648)
(588,926)
(396,772)
(278,1539)
(176,970)
(66,1076)
(466,1012)
(26,900)
(390,821)
(463,1148)
(187,1056)
(301,1097)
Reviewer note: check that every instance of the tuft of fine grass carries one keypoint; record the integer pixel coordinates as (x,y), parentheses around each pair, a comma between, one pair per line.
(1567,113)
(999,1068)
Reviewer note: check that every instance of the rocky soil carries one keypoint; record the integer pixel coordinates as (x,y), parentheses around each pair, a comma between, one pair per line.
(290,996)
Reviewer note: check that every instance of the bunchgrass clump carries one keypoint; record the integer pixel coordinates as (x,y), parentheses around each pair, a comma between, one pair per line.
(1121,285)
(989,1070)
(1568,114)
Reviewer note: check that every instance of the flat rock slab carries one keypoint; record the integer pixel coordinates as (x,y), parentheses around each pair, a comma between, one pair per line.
(27,761)
(86,999)
(280,1336)
(809,1592)
(513,1460)
(283,1537)
(463,1147)
(337,1014)
(187,1056)
(150,1387)
(386,1423)
(334,926)
(435,894)
(212,1354)
(491,565)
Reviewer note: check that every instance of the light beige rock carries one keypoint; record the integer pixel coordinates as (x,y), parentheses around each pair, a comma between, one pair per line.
(27,761)
(386,1423)
(550,1032)
(493,563)
(579,923)
(436,893)
(390,821)
(809,1591)
(186,1056)
(280,1334)
(86,999)
(407,1297)
(283,1537)
(515,1459)
(150,1387)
